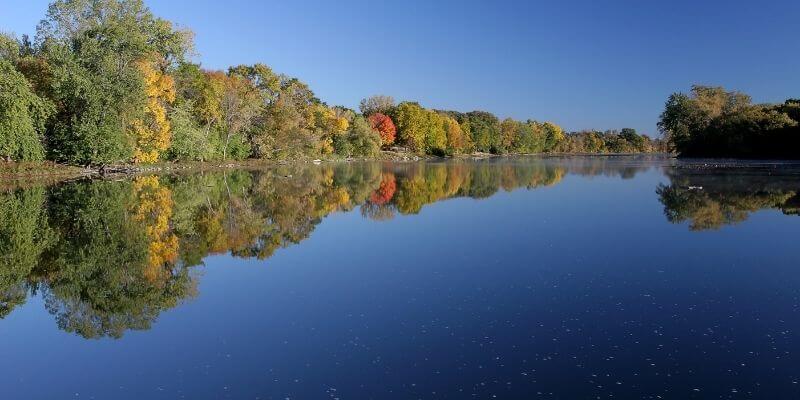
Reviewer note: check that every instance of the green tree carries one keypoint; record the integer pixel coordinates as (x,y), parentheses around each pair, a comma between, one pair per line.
(190,142)
(24,236)
(22,116)
(9,48)
(92,47)
(713,122)
(634,139)
(363,140)
(286,127)
(485,129)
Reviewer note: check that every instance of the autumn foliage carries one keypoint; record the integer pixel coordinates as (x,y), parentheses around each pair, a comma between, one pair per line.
(382,124)
(385,192)
(154,210)
(107,81)
(153,133)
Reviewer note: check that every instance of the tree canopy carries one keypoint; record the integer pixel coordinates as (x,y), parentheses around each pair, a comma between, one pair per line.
(713,122)
(107,81)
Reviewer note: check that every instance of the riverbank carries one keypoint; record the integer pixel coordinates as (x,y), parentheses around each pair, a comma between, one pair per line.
(24,174)
(18,174)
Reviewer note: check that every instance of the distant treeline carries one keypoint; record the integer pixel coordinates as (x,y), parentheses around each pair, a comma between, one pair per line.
(713,122)
(106,81)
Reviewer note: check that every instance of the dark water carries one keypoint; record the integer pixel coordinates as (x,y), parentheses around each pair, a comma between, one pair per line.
(551,278)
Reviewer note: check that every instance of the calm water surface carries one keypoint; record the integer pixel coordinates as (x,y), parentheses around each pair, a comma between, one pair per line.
(569,278)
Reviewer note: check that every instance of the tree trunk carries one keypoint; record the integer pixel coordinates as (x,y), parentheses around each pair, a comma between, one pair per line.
(225,149)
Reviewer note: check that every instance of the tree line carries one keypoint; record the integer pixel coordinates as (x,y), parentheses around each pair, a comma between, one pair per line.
(106,81)
(713,122)
(110,256)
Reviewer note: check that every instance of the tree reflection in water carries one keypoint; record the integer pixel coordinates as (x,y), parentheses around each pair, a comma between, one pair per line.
(110,256)
(712,198)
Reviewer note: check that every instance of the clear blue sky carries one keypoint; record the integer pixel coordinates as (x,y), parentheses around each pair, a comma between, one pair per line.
(581,64)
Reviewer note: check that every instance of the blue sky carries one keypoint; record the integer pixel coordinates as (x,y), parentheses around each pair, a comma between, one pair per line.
(581,64)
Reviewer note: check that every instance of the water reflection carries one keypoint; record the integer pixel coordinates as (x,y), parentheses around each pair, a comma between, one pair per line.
(710,198)
(110,256)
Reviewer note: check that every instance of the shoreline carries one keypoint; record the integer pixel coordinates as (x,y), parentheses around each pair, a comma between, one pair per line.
(37,172)
(20,174)
(16,175)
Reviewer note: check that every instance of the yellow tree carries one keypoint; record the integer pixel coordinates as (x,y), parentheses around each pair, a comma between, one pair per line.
(411,123)
(508,132)
(153,132)
(435,135)
(328,122)
(153,208)
(456,140)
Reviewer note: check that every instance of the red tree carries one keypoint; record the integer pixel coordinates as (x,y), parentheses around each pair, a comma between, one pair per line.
(382,124)
(384,193)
